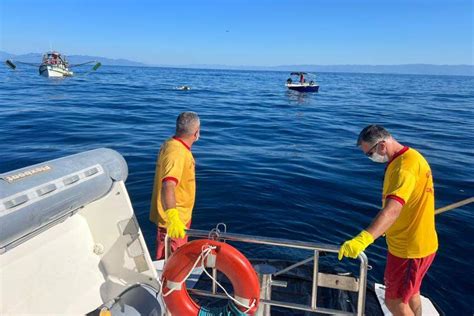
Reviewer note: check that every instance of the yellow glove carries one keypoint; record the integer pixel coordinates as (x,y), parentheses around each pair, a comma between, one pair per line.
(352,248)
(175,227)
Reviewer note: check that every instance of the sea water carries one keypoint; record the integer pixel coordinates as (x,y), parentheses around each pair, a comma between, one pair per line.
(269,162)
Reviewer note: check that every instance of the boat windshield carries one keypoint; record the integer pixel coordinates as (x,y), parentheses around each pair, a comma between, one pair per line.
(300,77)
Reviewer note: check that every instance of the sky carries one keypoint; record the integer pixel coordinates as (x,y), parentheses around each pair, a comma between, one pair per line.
(245,32)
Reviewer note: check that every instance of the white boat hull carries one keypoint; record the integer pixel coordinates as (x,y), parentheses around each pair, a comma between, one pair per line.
(54,71)
(79,252)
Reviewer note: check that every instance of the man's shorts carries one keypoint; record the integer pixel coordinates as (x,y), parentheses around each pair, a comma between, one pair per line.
(403,276)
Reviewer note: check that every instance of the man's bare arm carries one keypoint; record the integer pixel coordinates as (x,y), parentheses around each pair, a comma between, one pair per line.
(168,198)
(385,218)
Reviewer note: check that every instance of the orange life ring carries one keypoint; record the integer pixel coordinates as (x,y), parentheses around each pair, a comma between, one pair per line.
(225,259)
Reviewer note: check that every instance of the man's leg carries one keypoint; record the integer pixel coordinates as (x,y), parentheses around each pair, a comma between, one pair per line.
(415,304)
(423,264)
(403,279)
(397,285)
(398,308)
(160,243)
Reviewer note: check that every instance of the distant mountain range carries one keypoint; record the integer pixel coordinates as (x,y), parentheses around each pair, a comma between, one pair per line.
(417,69)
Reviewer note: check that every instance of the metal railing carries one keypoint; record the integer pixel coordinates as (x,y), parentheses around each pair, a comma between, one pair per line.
(327,280)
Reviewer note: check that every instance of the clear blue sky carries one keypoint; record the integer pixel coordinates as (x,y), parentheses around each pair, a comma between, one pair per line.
(245,32)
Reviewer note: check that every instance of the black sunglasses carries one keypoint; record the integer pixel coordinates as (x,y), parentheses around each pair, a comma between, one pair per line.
(371,150)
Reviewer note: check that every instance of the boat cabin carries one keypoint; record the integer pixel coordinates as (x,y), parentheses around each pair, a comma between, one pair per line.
(54,58)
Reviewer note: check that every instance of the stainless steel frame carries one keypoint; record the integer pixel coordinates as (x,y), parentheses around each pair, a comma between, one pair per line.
(319,279)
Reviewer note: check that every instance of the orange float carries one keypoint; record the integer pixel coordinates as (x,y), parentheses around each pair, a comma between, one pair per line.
(225,259)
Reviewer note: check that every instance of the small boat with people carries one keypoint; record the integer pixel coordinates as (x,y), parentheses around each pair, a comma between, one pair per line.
(300,83)
(53,64)
(70,243)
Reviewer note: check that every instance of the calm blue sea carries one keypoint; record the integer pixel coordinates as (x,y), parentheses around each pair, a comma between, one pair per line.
(269,162)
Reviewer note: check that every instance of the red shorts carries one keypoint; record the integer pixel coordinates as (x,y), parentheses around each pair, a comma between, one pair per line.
(175,242)
(403,276)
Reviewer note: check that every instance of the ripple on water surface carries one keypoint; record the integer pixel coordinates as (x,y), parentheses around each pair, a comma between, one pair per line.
(270,162)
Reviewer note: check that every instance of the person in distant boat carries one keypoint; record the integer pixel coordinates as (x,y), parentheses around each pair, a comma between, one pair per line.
(174,189)
(301,78)
(407,219)
(289,81)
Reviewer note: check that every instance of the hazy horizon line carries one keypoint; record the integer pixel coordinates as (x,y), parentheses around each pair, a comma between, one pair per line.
(239,65)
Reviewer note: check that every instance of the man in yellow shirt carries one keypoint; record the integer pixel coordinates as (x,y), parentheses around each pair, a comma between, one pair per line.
(174,189)
(407,219)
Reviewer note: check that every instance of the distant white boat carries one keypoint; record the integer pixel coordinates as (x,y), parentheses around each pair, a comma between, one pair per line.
(54,65)
(301,85)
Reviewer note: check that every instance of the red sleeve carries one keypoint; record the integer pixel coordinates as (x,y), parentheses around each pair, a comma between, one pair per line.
(396,198)
(170,179)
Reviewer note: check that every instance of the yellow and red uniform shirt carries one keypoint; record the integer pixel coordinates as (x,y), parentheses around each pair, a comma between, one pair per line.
(408,180)
(175,163)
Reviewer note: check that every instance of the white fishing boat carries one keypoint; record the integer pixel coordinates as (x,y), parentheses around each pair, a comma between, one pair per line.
(70,244)
(54,65)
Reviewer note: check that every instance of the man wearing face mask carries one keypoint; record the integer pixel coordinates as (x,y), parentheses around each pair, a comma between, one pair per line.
(407,219)
(174,189)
